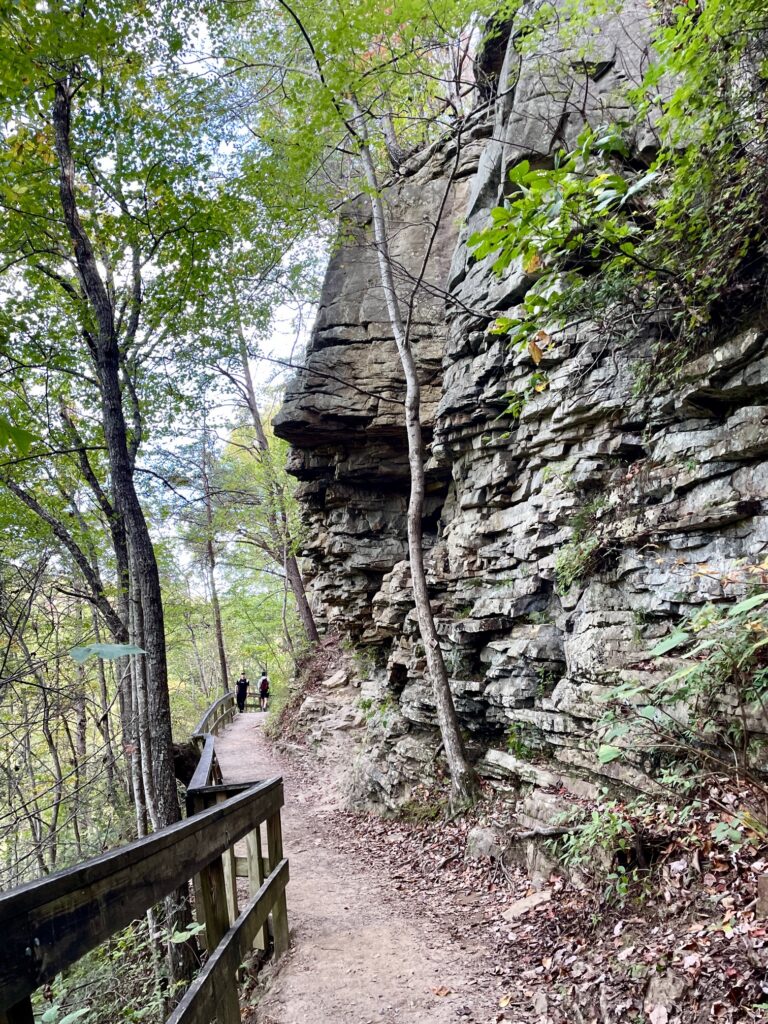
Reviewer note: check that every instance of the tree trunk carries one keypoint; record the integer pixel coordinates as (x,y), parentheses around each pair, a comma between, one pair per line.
(464,785)
(210,552)
(144,573)
(296,583)
(143,733)
(150,671)
(291,566)
(104,722)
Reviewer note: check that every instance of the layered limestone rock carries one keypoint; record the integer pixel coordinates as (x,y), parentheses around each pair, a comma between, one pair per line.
(562,543)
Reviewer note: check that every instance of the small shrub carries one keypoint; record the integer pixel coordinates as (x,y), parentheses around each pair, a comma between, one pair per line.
(516,744)
(574,561)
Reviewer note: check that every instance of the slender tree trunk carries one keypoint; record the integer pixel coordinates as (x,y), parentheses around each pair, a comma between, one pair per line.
(464,786)
(217,624)
(74,800)
(143,734)
(58,777)
(106,356)
(127,726)
(104,721)
(291,566)
(284,616)
(296,583)
(210,552)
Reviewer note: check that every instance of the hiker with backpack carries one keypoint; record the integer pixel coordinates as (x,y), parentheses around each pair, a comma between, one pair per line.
(263,691)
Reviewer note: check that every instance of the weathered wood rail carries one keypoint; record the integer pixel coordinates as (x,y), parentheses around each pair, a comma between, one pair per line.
(47,925)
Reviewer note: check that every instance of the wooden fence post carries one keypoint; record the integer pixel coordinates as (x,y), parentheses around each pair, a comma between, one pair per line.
(195,804)
(213,891)
(280,908)
(256,877)
(230,877)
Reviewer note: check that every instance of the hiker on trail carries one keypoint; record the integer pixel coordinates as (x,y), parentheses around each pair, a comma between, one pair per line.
(263,691)
(241,692)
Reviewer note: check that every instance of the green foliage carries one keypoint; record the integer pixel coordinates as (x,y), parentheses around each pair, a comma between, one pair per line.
(577,558)
(683,240)
(424,805)
(397,60)
(377,712)
(16,437)
(537,382)
(120,980)
(596,844)
(564,216)
(712,708)
(515,743)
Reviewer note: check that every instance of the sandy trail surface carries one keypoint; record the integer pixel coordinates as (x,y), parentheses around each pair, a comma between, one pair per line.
(360,953)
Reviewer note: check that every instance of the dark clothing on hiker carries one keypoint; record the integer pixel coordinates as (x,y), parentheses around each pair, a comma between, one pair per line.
(263,692)
(242,692)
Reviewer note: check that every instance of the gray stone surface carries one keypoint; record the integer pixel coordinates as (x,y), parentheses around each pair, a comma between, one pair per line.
(673,480)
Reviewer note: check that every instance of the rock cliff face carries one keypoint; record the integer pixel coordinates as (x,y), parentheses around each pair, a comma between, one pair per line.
(620,489)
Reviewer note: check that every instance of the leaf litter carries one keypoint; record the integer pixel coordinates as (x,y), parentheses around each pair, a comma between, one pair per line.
(685,946)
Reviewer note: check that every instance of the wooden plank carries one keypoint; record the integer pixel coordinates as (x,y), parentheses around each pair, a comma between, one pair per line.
(63,916)
(202,776)
(195,804)
(230,883)
(214,903)
(226,789)
(203,726)
(280,909)
(202,1000)
(256,877)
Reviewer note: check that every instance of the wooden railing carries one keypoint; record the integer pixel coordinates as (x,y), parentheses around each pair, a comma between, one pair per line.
(219,714)
(47,925)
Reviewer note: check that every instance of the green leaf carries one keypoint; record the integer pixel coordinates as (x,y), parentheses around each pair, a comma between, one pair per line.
(606,753)
(669,643)
(615,733)
(106,651)
(50,1014)
(19,438)
(518,173)
(683,673)
(184,936)
(748,604)
(648,712)
(75,1015)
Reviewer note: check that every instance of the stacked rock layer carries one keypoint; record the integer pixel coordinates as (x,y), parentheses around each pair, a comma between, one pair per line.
(622,489)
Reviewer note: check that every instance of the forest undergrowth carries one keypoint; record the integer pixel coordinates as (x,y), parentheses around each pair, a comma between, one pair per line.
(681,941)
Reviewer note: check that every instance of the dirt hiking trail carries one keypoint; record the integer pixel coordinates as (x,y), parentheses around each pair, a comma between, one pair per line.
(360,954)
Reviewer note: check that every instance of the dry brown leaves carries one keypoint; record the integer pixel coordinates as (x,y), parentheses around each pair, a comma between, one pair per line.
(685,947)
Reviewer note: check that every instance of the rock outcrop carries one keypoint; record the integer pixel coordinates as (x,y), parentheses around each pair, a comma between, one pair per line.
(562,543)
